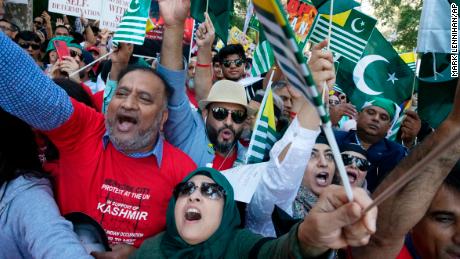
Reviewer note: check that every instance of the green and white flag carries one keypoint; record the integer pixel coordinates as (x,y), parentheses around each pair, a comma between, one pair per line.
(350,32)
(263,59)
(264,135)
(380,72)
(133,24)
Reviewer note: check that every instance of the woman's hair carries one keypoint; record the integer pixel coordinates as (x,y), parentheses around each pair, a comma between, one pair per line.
(74,90)
(18,149)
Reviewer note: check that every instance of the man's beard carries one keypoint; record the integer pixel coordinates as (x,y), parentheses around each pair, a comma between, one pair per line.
(222,147)
(141,140)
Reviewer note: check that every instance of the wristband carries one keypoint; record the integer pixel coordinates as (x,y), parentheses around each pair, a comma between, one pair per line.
(203,65)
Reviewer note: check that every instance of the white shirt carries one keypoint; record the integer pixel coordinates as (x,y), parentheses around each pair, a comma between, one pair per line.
(273,182)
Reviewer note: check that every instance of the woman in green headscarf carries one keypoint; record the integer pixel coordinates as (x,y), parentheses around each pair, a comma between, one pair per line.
(204,224)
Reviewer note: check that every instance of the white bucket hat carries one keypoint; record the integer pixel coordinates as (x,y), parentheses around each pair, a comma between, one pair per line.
(226,91)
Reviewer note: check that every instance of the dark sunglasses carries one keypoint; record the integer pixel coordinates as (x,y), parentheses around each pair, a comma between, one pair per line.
(237,62)
(27,45)
(212,191)
(74,54)
(221,114)
(38,22)
(361,163)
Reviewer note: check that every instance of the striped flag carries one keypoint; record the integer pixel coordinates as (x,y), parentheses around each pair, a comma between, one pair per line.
(262,59)
(264,135)
(410,58)
(350,32)
(288,54)
(393,132)
(133,24)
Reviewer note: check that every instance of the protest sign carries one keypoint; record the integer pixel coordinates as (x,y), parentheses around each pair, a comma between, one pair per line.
(237,36)
(301,17)
(89,9)
(112,12)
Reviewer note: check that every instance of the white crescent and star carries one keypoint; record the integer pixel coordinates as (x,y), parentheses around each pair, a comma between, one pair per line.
(353,25)
(359,71)
(392,78)
(133,10)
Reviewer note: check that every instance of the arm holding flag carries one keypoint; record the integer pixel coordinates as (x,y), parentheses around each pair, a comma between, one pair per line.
(402,211)
(203,71)
(184,127)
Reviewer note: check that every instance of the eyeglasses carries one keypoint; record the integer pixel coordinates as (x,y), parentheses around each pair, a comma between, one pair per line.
(74,54)
(26,45)
(361,163)
(237,62)
(221,114)
(38,22)
(212,191)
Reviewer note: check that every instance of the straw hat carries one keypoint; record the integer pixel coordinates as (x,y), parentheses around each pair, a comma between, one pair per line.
(226,91)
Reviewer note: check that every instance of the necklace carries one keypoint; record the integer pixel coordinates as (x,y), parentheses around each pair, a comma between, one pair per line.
(225,158)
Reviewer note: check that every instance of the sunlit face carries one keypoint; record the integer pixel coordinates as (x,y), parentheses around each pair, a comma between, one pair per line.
(198,216)
(60,31)
(287,100)
(355,174)
(223,133)
(333,100)
(374,121)
(137,112)
(248,124)
(191,68)
(320,169)
(218,75)
(437,235)
(235,69)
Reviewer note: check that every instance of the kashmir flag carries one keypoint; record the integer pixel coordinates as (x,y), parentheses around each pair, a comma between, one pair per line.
(434,34)
(350,33)
(380,72)
(263,59)
(219,12)
(133,24)
(393,132)
(411,59)
(324,6)
(264,134)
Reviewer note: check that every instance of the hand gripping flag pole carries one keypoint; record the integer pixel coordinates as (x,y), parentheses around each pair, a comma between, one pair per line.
(292,62)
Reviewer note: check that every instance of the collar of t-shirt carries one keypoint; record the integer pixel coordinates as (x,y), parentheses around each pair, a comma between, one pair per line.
(157,150)
(223,163)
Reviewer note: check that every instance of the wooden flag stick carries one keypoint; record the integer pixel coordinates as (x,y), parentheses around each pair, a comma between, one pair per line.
(92,63)
(329,33)
(414,171)
(207,5)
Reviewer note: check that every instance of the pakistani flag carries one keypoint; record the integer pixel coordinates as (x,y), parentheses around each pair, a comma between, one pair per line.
(262,59)
(380,72)
(264,135)
(436,88)
(393,132)
(350,32)
(411,59)
(133,24)
(219,12)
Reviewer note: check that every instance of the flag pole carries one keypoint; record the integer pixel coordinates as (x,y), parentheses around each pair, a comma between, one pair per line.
(327,127)
(92,63)
(207,5)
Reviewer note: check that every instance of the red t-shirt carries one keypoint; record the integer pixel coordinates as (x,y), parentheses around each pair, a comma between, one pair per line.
(220,163)
(127,196)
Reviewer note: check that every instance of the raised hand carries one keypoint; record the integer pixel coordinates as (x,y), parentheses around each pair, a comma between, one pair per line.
(205,34)
(335,223)
(59,22)
(174,12)
(321,65)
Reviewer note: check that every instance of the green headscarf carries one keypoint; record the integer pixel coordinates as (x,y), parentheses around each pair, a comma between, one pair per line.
(68,40)
(173,246)
(383,103)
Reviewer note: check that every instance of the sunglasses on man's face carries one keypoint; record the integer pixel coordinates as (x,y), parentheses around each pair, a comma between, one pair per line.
(220,114)
(361,163)
(237,62)
(211,191)
(38,22)
(26,45)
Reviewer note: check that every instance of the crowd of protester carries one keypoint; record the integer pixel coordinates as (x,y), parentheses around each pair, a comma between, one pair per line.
(128,158)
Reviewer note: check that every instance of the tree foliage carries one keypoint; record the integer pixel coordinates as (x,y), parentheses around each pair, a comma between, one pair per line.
(401,18)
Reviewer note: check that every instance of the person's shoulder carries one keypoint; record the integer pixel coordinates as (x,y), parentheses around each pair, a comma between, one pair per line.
(150,248)
(173,153)
(392,145)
